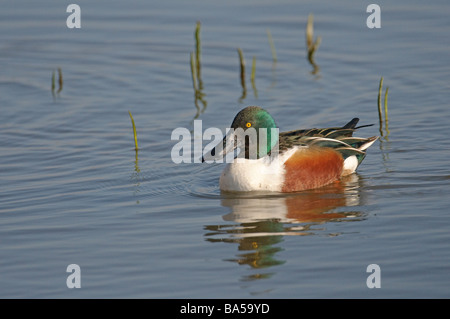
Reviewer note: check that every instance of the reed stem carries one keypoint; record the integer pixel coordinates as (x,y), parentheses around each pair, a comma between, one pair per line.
(242,65)
(194,73)
(386,105)
(252,76)
(60,80)
(380,117)
(53,81)
(134,131)
(197,49)
(272,46)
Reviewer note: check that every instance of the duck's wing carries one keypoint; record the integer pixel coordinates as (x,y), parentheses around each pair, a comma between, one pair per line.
(339,138)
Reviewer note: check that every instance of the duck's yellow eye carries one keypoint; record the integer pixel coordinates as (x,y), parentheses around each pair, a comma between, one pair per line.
(248,124)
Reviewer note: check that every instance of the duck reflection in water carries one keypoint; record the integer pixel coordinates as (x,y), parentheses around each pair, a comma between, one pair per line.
(258,222)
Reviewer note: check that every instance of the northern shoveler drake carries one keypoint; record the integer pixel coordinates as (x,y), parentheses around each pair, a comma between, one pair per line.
(305,159)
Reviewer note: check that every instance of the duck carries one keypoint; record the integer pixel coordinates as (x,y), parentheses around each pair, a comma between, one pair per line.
(290,161)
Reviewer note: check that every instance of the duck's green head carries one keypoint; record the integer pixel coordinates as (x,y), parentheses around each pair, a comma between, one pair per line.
(255,133)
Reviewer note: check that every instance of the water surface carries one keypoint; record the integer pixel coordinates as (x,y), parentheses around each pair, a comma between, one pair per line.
(74,191)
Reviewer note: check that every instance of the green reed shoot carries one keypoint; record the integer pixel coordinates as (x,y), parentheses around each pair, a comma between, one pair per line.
(197,93)
(385,105)
(197,82)
(272,46)
(386,111)
(197,47)
(134,131)
(252,76)
(242,66)
(194,72)
(60,80)
(242,73)
(380,116)
(311,45)
(53,81)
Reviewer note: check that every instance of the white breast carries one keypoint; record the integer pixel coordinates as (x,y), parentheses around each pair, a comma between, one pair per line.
(264,174)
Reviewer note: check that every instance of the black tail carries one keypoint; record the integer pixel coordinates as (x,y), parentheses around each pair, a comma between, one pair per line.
(352,124)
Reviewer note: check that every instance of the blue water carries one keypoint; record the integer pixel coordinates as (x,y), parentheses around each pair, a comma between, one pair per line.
(74,191)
